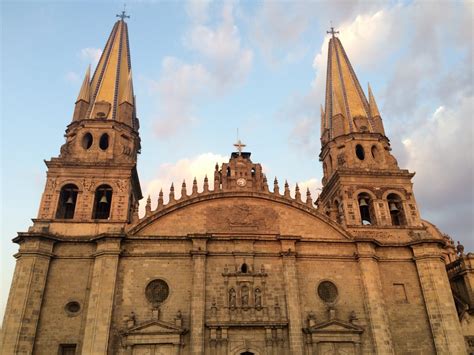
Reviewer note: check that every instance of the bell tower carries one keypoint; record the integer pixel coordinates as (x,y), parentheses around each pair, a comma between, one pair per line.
(362,183)
(94,178)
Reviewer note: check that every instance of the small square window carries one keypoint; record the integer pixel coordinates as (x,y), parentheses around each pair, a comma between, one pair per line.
(67,349)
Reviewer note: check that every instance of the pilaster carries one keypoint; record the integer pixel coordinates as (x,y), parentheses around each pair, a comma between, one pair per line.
(444,322)
(198,296)
(26,295)
(292,296)
(373,299)
(102,290)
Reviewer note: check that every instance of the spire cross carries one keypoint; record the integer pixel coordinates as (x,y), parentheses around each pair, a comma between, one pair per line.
(332,32)
(123,14)
(239,145)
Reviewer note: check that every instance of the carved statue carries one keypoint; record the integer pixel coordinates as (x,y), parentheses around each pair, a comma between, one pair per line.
(460,249)
(258,298)
(245,296)
(232,298)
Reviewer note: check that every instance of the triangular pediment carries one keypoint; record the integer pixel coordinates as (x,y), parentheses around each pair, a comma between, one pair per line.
(335,326)
(155,327)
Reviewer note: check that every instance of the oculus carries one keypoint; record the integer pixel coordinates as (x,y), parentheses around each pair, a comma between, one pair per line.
(157,291)
(327,291)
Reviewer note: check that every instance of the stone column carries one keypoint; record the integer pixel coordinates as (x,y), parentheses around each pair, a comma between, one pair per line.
(373,299)
(292,296)
(26,295)
(198,294)
(101,297)
(444,322)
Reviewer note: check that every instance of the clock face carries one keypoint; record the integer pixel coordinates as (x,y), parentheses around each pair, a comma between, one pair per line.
(241,182)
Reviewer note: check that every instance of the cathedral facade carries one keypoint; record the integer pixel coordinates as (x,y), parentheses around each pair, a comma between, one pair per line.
(239,268)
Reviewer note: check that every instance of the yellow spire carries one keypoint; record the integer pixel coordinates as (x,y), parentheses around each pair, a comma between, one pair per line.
(85,92)
(374,110)
(344,94)
(112,77)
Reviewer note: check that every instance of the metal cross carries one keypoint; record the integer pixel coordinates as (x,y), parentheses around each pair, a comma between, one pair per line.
(239,145)
(123,15)
(332,32)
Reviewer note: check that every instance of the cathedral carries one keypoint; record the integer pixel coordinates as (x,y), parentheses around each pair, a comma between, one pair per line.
(237,266)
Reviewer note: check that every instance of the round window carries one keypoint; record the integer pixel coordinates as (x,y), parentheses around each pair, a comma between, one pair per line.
(104,141)
(360,152)
(327,291)
(73,307)
(157,291)
(87,140)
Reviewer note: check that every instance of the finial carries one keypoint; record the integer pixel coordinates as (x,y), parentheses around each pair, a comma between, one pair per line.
(217,167)
(309,199)
(297,193)
(123,14)
(148,206)
(171,192)
(332,32)
(206,184)
(276,188)
(195,186)
(265,183)
(160,199)
(239,145)
(183,190)
(287,190)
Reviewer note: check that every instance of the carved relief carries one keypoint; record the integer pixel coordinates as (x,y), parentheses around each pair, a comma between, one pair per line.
(243,218)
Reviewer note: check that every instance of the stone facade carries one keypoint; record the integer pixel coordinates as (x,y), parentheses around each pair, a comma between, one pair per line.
(239,268)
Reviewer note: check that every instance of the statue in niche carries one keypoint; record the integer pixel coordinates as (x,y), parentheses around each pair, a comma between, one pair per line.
(232,298)
(258,298)
(245,296)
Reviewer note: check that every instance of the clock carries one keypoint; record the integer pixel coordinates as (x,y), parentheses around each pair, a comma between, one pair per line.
(241,182)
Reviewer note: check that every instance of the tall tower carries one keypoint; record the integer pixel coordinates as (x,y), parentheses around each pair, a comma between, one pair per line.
(362,183)
(95,178)
(91,191)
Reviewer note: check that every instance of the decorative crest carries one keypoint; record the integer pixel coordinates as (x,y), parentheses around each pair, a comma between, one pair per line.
(123,14)
(332,32)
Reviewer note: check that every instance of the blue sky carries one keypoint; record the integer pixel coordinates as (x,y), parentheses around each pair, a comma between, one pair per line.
(203,69)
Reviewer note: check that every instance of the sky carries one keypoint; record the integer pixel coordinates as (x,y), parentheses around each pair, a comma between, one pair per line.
(204,69)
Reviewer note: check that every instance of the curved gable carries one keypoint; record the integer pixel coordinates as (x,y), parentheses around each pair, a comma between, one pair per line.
(241,214)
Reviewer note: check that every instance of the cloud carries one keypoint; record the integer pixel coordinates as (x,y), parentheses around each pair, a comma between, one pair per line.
(222,65)
(187,169)
(72,77)
(91,55)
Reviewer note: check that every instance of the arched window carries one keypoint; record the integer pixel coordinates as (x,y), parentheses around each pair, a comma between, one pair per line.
(395,207)
(67,202)
(244,268)
(102,202)
(365,209)
(228,171)
(338,211)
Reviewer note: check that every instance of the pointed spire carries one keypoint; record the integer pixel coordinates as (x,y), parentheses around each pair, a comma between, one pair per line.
(309,199)
(148,206)
(85,92)
(344,94)
(265,183)
(374,110)
(160,199)
(112,82)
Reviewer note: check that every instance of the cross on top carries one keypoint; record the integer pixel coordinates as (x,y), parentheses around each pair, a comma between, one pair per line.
(332,32)
(123,14)
(239,145)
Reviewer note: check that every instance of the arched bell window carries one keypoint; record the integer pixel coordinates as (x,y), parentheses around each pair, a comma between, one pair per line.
(395,207)
(67,201)
(102,202)
(365,209)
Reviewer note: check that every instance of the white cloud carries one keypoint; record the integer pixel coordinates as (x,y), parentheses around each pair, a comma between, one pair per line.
(91,55)
(198,10)
(72,77)
(187,169)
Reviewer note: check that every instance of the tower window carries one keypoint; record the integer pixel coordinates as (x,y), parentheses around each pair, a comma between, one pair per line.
(253,171)
(67,349)
(365,209)
(104,141)
(228,171)
(87,140)
(67,202)
(396,210)
(244,268)
(360,152)
(375,153)
(102,203)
